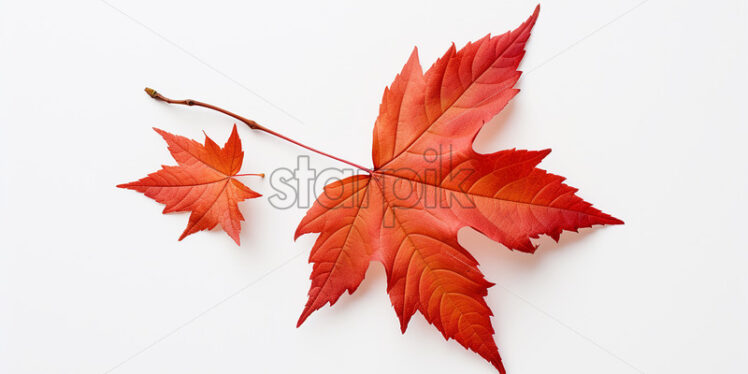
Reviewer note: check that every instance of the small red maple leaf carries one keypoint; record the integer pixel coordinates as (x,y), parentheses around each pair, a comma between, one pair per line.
(427,183)
(203,183)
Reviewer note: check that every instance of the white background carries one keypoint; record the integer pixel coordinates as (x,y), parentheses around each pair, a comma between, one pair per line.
(644,105)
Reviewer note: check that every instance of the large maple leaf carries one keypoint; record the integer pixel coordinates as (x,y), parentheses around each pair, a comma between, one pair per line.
(427,183)
(203,183)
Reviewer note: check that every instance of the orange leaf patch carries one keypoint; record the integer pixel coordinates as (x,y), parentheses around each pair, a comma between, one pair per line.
(428,182)
(203,183)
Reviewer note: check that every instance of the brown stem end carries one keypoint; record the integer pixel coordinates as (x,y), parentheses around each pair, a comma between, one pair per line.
(151,92)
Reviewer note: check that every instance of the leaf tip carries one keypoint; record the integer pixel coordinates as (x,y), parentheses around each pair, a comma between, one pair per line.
(303,317)
(498,365)
(184,233)
(163,133)
(615,221)
(403,327)
(298,233)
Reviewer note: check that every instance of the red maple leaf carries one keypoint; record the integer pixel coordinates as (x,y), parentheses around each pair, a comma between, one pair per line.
(427,183)
(203,183)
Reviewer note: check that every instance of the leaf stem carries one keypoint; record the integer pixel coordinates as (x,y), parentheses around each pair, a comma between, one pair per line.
(262,175)
(252,125)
